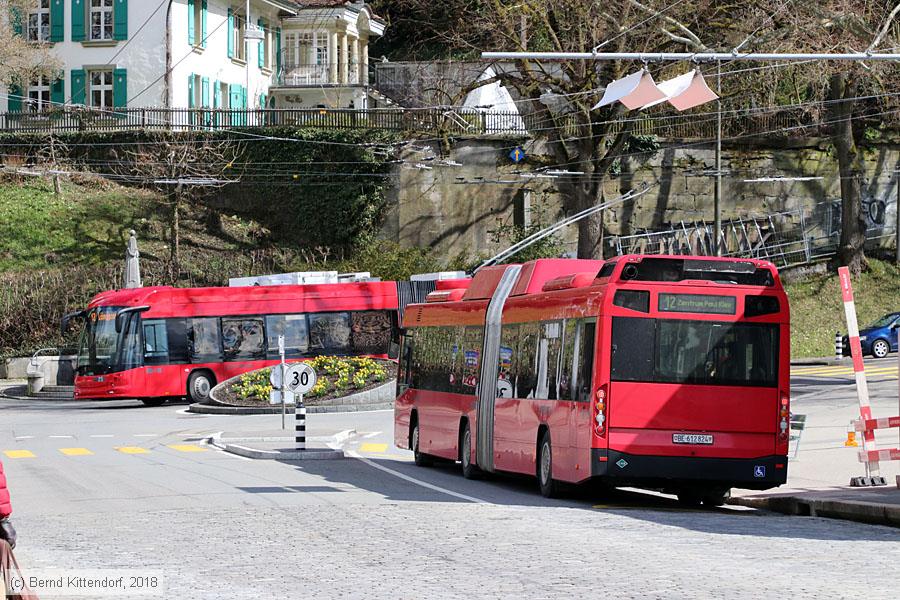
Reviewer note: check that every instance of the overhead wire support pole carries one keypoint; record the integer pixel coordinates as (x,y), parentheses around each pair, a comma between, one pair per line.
(717,200)
(690,56)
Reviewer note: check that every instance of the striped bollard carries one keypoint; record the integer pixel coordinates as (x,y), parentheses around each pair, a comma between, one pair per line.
(300,423)
(838,346)
(862,388)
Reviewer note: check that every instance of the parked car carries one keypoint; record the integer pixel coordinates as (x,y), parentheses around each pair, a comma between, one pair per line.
(879,338)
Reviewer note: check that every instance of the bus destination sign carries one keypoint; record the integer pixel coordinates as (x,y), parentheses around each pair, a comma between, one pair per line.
(698,303)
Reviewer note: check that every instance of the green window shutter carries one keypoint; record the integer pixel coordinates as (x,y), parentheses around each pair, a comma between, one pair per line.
(79,78)
(244,97)
(217,94)
(58,91)
(120,20)
(260,48)
(230,33)
(278,48)
(17,21)
(204,92)
(14,99)
(191,32)
(191,95)
(78,14)
(262,100)
(203,12)
(120,88)
(57,20)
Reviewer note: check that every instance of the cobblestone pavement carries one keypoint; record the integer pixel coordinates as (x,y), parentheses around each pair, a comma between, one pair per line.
(220,527)
(454,550)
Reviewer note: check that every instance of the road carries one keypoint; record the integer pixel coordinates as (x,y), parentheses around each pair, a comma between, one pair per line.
(121,486)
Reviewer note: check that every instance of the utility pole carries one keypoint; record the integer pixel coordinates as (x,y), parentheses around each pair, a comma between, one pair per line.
(247,59)
(897,218)
(717,200)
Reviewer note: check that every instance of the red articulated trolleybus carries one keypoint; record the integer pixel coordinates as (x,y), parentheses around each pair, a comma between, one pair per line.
(157,343)
(661,372)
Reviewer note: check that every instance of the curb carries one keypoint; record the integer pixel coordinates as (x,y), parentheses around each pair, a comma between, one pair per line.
(213,409)
(287,454)
(861,512)
(825,360)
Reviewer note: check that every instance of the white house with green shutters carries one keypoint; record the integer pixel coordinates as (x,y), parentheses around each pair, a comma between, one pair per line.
(199,53)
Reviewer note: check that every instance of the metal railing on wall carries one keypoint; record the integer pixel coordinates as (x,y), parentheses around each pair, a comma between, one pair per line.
(444,120)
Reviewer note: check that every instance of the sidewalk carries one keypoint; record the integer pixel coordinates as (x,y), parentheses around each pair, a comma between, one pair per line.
(819,475)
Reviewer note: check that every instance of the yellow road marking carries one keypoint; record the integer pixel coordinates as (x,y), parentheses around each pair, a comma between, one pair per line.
(187,448)
(132,450)
(19,454)
(76,451)
(369,447)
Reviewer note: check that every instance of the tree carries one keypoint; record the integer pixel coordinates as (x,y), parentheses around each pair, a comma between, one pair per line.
(562,95)
(183,169)
(22,61)
(844,26)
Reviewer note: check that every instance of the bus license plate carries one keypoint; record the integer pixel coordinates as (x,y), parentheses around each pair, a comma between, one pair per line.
(692,438)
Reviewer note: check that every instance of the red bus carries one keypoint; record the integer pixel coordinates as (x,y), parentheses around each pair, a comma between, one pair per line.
(157,343)
(662,372)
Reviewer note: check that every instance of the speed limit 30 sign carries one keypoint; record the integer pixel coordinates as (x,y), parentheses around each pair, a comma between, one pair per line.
(299,378)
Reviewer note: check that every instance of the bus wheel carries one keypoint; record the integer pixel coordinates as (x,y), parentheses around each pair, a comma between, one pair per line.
(549,487)
(690,498)
(199,385)
(421,459)
(469,470)
(716,497)
(153,401)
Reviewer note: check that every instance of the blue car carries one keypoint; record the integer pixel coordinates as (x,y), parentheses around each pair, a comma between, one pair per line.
(879,338)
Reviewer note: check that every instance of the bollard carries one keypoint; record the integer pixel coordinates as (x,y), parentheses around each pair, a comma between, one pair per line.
(300,423)
(838,346)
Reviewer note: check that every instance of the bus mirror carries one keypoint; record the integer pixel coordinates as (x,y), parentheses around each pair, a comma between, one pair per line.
(123,314)
(68,318)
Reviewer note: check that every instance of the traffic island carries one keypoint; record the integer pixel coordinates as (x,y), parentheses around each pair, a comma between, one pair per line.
(274,447)
(878,506)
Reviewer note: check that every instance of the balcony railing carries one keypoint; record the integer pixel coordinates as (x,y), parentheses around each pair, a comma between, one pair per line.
(304,75)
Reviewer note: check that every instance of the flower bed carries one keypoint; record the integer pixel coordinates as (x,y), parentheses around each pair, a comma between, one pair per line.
(336,377)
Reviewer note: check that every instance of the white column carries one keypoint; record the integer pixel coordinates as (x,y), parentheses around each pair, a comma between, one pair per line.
(354,61)
(333,57)
(364,63)
(343,76)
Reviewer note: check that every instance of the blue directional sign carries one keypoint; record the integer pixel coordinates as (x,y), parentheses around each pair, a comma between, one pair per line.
(517,155)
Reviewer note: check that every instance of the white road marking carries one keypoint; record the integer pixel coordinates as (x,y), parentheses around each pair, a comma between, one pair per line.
(102,435)
(418,482)
(145,435)
(61,437)
(371,435)
(24,437)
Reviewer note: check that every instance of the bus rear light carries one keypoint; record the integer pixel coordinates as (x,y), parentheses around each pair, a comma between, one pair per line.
(600,416)
(784,417)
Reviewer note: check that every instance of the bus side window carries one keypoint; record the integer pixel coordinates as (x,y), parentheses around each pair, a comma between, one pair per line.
(176,334)
(586,360)
(156,343)
(567,369)
(204,343)
(526,375)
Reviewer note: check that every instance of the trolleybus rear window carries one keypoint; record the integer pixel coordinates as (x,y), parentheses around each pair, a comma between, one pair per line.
(694,352)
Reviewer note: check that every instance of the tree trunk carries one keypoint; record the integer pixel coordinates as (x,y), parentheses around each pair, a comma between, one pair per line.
(175,238)
(851,249)
(590,228)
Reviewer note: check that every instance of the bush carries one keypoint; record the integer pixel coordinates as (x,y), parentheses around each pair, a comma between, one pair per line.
(336,376)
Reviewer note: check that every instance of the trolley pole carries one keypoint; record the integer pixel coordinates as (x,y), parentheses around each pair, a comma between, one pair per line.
(717,200)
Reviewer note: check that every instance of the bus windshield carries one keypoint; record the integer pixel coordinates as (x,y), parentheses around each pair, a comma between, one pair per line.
(99,342)
(694,352)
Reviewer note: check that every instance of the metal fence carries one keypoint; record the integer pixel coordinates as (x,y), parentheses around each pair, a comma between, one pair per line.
(433,121)
(786,239)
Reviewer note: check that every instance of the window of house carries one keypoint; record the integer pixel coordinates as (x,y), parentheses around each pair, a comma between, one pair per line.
(240,48)
(321,42)
(268,45)
(39,22)
(101,18)
(39,94)
(197,18)
(101,89)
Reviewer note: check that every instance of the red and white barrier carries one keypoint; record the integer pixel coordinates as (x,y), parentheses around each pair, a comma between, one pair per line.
(870,455)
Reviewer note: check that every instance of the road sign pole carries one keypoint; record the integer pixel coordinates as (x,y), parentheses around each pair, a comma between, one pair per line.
(283,380)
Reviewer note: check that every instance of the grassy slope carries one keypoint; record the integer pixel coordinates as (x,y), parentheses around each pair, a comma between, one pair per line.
(817,311)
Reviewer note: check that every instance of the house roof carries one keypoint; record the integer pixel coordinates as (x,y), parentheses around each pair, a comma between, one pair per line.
(332,4)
